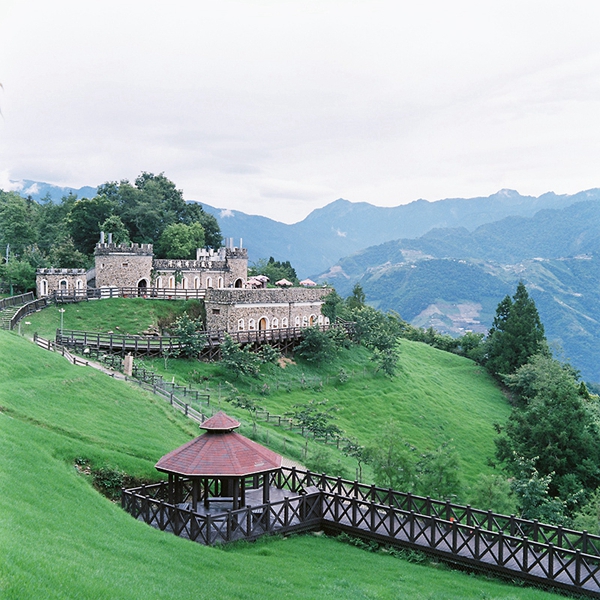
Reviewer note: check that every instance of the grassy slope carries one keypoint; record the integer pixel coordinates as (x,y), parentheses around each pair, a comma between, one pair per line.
(61,539)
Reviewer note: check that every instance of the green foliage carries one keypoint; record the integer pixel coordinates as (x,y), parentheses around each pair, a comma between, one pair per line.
(238,360)
(516,335)
(84,220)
(316,346)
(493,492)
(19,276)
(357,299)
(551,427)
(116,227)
(180,241)
(332,306)
(16,223)
(189,333)
(315,418)
(437,473)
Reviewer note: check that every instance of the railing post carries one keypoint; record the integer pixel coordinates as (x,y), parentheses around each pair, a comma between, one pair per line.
(433,528)
(208,527)
(354,510)
(477,534)
(501,548)
(286,511)
(578,567)
(550,561)
(584,541)
(525,552)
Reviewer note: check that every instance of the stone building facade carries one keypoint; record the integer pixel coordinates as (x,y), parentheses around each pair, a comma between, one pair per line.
(221,274)
(123,265)
(255,310)
(67,280)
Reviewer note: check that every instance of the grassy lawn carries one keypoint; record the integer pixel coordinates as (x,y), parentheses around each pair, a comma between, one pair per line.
(62,539)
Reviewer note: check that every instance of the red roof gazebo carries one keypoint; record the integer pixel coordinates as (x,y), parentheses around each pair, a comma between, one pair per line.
(218,464)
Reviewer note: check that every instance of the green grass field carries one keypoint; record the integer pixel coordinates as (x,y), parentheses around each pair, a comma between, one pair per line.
(62,539)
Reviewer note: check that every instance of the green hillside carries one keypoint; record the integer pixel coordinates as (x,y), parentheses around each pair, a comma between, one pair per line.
(62,539)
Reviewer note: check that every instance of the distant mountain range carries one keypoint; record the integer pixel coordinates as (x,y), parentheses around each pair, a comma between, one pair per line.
(446,263)
(453,279)
(39,190)
(343,228)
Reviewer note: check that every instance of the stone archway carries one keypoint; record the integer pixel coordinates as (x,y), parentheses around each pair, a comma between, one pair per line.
(238,283)
(263,324)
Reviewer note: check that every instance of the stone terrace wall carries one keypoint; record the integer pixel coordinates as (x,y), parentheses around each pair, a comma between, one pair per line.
(48,280)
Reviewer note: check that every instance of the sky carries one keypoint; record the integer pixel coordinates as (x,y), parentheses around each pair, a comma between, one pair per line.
(280,107)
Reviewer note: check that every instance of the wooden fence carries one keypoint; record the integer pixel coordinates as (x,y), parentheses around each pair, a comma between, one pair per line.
(540,553)
(27,309)
(16,300)
(62,296)
(137,345)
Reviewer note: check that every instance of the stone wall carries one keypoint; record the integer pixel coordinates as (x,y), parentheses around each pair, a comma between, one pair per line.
(49,280)
(249,310)
(124,265)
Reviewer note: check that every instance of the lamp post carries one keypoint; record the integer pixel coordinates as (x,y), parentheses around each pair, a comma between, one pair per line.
(62,315)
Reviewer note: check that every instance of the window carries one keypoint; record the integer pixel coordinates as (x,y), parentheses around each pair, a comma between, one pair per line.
(251,325)
(275,323)
(44,289)
(171,281)
(284,322)
(79,284)
(320,320)
(159,282)
(209,282)
(240,324)
(184,283)
(304,321)
(125,265)
(220,282)
(63,284)
(216,311)
(297,322)
(196,282)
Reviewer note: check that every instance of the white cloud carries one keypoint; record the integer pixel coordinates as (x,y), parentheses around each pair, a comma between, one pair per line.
(279,107)
(226,213)
(32,189)
(7,184)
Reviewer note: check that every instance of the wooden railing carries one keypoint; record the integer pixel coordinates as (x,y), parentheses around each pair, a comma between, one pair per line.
(16,300)
(507,545)
(27,309)
(159,345)
(127,292)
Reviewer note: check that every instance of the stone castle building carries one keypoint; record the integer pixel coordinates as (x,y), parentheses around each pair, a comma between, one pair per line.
(220,277)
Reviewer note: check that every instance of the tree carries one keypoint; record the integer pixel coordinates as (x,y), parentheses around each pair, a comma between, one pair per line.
(115,226)
(316,346)
(516,334)
(392,460)
(332,306)
(274,270)
(180,241)
(437,472)
(552,428)
(191,339)
(315,418)
(16,223)
(357,298)
(84,220)
(238,360)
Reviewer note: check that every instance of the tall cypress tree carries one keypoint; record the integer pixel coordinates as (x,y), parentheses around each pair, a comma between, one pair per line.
(516,335)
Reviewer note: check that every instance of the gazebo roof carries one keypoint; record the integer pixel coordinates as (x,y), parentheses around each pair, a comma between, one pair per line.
(220,452)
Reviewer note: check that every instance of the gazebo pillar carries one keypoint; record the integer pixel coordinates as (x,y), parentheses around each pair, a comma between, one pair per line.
(236,493)
(170,489)
(206,492)
(195,490)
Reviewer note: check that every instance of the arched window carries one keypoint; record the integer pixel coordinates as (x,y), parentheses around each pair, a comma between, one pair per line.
(240,324)
(209,282)
(326,320)
(63,285)
(238,283)
(297,322)
(284,322)
(44,288)
(320,320)
(304,321)
(172,281)
(184,283)
(159,282)
(220,282)
(251,325)
(79,284)
(275,323)
(196,282)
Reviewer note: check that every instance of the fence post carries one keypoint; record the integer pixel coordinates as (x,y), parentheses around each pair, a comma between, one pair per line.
(525,552)
(550,561)
(501,548)
(477,534)
(577,567)
(208,526)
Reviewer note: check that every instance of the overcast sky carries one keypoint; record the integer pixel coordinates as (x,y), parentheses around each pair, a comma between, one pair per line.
(277,108)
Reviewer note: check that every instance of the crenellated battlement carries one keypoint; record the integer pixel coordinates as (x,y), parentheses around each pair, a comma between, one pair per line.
(103,249)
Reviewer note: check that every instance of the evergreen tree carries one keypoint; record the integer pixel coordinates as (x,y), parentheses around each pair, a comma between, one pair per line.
(516,335)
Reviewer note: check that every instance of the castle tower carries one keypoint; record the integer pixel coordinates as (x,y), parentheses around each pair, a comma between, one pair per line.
(123,265)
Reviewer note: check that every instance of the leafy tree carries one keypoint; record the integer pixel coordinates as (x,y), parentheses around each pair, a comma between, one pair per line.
(357,298)
(493,492)
(189,333)
(238,360)
(194,213)
(84,220)
(180,241)
(437,473)
(552,428)
(16,223)
(19,275)
(332,306)
(115,226)
(66,256)
(316,346)
(315,418)
(392,460)
(516,334)
(355,450)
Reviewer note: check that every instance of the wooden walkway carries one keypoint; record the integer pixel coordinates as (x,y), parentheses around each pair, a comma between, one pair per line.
(481,540)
